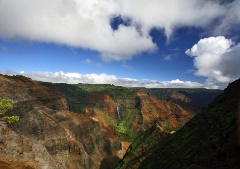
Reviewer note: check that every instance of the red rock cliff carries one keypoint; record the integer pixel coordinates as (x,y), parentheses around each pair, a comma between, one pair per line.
(168,115)
(48,135)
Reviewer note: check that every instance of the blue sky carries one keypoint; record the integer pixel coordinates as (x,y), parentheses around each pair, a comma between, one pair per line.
(157,43)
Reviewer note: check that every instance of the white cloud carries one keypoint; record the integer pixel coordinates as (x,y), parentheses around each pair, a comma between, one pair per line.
(171,14)
(231,20)
(74,78)
(88,61)
(86,24)
(216,58)
(168,58)
(76,23)
(176,81)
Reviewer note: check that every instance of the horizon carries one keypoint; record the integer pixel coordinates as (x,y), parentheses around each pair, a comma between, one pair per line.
(107,84)
(137,43)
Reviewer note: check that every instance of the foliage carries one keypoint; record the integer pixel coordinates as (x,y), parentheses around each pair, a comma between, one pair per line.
(6,105)
(11,119)
(123,126)
(116,92)
(141,147)
(209,140)
(75,96)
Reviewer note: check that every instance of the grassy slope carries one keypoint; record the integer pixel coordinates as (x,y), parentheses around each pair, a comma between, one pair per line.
(209,140)
(77,97)
(141,148)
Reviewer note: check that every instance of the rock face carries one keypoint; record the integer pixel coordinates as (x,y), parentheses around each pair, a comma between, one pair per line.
(123,111)
(104,103)
(211,139)
(192,99)
(179,96)
(139,109)
(48,135)
(138,114)
(169,116)
(17,165)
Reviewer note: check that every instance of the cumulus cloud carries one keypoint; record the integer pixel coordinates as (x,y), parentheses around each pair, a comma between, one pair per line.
(76,23)
(75,78)
(216,58)
(86,24)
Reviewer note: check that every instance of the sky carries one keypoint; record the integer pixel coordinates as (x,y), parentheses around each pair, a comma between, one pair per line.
(132,43)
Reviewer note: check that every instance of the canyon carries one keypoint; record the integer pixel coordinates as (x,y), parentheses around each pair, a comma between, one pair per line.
(81,126)
(211,139)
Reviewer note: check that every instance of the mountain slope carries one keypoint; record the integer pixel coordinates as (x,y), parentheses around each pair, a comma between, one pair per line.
(137,110)
(81,126)
(51,135)
(209,140)
(48,135)
(194,99)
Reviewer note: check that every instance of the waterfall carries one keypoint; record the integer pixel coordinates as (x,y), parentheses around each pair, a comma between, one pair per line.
(118,113)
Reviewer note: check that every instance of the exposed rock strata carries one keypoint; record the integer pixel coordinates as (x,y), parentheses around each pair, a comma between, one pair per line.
(168,115)
(209,140)
(104,103)
(48,135)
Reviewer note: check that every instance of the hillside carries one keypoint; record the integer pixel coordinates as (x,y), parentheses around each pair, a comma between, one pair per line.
(194,99)
(139,108)
(48,135)
(76,95)
(210,140)
(79,126)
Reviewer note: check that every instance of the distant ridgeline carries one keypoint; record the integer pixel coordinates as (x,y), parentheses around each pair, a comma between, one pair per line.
(196,98)
(123,109)
(77,94)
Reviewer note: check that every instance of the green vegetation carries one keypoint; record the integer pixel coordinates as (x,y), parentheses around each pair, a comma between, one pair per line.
(77,97)
(115,92)
(198,142)
(124,126)
(209,140)
(6,105)
(141,148)
(77,94)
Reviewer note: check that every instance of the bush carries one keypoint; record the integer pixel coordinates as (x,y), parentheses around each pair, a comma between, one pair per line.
(6,105)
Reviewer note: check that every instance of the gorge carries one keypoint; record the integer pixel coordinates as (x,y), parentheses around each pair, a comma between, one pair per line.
(85,126)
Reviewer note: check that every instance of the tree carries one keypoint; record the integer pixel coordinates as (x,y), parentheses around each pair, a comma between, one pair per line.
(6,105)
